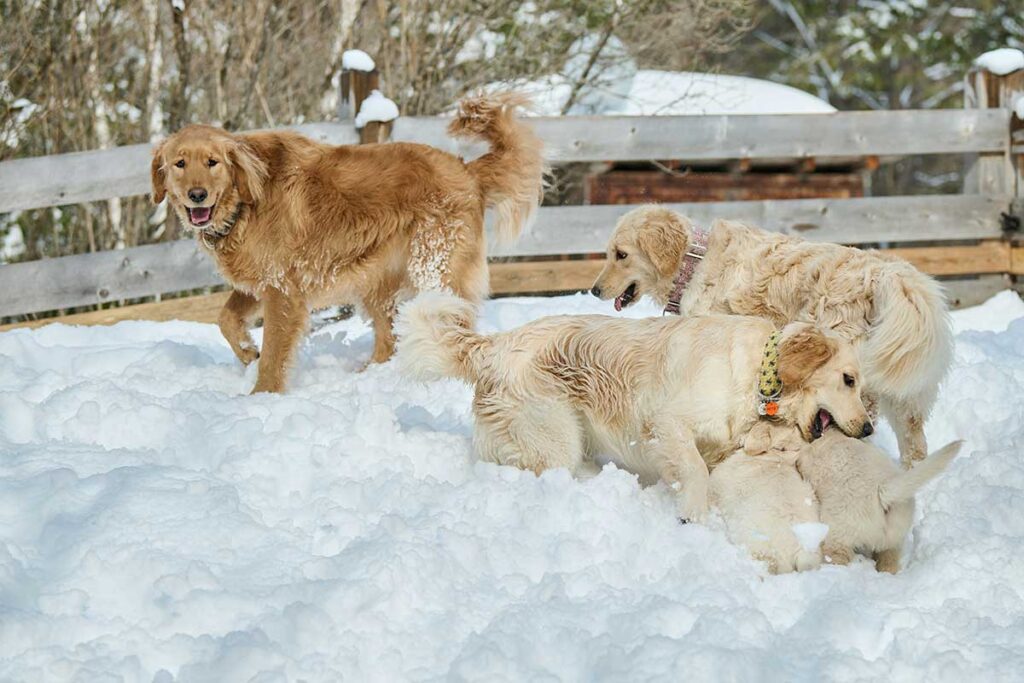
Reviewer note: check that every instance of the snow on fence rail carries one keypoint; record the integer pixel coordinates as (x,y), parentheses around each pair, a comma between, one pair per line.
(98,278)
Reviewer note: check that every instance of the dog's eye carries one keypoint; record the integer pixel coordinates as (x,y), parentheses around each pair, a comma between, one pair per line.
(180,163)
(619,254)
(848,380)
(211,162)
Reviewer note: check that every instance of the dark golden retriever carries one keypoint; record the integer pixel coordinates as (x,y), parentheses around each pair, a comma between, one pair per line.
(294,224)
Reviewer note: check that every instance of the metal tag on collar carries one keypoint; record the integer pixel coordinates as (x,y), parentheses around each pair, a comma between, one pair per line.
(768,406)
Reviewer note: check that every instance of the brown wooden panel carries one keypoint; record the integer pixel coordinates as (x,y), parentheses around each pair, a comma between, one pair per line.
(977,259)
(200,309)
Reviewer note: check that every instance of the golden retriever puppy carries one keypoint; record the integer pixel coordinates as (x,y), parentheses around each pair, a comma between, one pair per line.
(866,500)
(295,224)
(894,314)
(662,397)
(766,505)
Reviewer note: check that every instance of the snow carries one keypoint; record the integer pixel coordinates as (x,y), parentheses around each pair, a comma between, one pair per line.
(12,244)
(1001,61)
(357,60)
(810,534)
(647,92)
(376,107)
(1018,107)
(158,524)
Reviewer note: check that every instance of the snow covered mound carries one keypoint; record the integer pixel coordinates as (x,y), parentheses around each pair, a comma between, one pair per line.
(158,524)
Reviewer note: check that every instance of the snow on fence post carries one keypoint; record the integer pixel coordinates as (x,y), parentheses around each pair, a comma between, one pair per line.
(997,82)
(361,101)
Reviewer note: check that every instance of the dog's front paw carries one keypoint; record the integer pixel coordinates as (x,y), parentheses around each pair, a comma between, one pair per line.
(693,506)
(247,353)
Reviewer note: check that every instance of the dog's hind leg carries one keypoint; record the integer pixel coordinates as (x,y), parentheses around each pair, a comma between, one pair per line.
(888,560)
(234,321)
(380,305)
(284,321)
(907,418)
(537,436)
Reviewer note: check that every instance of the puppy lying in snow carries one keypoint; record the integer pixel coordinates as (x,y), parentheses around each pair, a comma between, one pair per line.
(664,397)
(866,500)
(767,507)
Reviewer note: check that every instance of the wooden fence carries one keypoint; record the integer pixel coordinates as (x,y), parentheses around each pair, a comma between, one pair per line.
(962,237)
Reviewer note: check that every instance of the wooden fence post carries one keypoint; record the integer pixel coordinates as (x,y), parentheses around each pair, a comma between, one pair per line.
(995,173)
(356,86)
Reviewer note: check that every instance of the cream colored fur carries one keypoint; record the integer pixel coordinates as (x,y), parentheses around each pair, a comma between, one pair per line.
(663,397)
(865,499)
(761,496)
(895,315)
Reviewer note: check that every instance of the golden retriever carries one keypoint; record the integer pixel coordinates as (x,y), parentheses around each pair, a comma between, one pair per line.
(766,505)
(896,316)
(866,500)
(295,224)
(664,397)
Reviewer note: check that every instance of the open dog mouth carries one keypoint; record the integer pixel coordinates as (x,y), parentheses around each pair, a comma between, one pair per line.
(626,298)
(199,215)
(821,422)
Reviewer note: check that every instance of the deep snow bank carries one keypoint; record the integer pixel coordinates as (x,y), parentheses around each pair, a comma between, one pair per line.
(158,524)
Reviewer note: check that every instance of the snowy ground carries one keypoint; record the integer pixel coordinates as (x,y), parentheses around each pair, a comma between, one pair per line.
(158,524)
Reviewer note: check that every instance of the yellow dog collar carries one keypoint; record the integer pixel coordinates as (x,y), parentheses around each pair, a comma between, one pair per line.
(769,386)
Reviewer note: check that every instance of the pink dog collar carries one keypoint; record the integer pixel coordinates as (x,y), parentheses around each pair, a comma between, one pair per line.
(698,248)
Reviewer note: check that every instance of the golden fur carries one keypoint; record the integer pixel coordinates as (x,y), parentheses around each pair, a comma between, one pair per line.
(664,397)
(895,315)
(865,499)
(761,496)
(320,224)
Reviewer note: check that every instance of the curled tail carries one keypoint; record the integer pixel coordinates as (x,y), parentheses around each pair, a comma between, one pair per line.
(905,484)
(910,343)
(511,174)
(436,338)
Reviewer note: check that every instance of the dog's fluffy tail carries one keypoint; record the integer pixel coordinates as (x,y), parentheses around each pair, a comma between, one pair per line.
(906,484)
(511,174)
(436,338)
(910,344)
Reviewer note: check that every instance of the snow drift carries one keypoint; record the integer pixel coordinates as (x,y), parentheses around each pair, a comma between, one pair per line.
(158,524)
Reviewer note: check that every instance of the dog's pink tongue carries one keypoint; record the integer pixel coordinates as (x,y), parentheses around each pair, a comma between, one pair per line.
(199,215)
(618,302)
(825,418)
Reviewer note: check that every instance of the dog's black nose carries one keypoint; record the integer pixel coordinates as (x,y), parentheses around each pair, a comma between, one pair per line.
(595,290)
(868,430)
(197,194)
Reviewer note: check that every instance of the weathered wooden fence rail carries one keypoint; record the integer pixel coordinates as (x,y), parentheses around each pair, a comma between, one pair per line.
(971,221)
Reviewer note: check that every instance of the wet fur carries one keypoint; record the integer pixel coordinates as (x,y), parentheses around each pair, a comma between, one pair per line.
(664,397)
(369,224)
(894,314)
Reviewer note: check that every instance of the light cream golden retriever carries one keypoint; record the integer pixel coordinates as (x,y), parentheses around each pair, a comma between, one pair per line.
(294,224)
(865,499)
(766,505)
(662,397)
(895,315)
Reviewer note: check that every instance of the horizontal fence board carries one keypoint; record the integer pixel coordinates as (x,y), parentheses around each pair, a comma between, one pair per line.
(104,174)
(781,136)
(506,279)
(585,229)
(87,279)
(124,171)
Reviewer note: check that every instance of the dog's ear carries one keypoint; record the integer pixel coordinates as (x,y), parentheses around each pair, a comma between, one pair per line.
(250,172)
(158,176)
(661,235)
(804,348)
